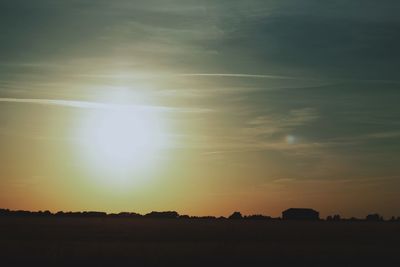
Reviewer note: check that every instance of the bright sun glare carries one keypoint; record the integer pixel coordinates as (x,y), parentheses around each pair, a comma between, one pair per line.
(122,143)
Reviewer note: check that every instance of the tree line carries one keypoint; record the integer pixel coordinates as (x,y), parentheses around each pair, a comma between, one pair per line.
(172,215)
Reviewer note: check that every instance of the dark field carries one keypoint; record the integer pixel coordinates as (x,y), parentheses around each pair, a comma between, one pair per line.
(157,242)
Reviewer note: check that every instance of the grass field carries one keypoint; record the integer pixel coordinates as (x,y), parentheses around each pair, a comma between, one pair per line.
(156,242)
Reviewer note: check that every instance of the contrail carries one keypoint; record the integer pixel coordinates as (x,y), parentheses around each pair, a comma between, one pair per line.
(98,105)
(57,102)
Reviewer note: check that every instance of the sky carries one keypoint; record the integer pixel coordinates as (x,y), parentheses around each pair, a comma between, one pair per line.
(255,106)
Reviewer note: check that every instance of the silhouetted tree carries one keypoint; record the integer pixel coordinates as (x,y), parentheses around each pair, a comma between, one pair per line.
(236,215)
(335,217)
(4,212)
(374,217)
(208,217)
(354,219)
(257,217)
(127,215)
(162,215)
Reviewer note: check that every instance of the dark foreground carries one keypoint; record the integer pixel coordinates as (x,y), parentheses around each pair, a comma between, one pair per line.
(156,242)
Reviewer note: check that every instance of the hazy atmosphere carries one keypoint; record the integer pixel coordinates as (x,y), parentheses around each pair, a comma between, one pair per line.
(203,107)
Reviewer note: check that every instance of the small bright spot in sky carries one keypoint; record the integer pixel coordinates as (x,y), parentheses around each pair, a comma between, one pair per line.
(291,139)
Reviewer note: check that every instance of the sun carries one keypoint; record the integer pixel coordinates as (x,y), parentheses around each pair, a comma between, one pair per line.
(122,143)
(125,138)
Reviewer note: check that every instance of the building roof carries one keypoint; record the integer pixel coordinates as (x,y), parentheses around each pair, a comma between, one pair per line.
(300,210)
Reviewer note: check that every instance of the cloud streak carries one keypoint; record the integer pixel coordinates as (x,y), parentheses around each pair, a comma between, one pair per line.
(99,105)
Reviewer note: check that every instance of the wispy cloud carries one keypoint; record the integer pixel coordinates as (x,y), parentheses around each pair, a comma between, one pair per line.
(243,75)
(368,137)
(280,123)
(382,135)
(261,133)
(373,180)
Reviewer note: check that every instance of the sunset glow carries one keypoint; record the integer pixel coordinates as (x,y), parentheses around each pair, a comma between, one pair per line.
(203,107)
